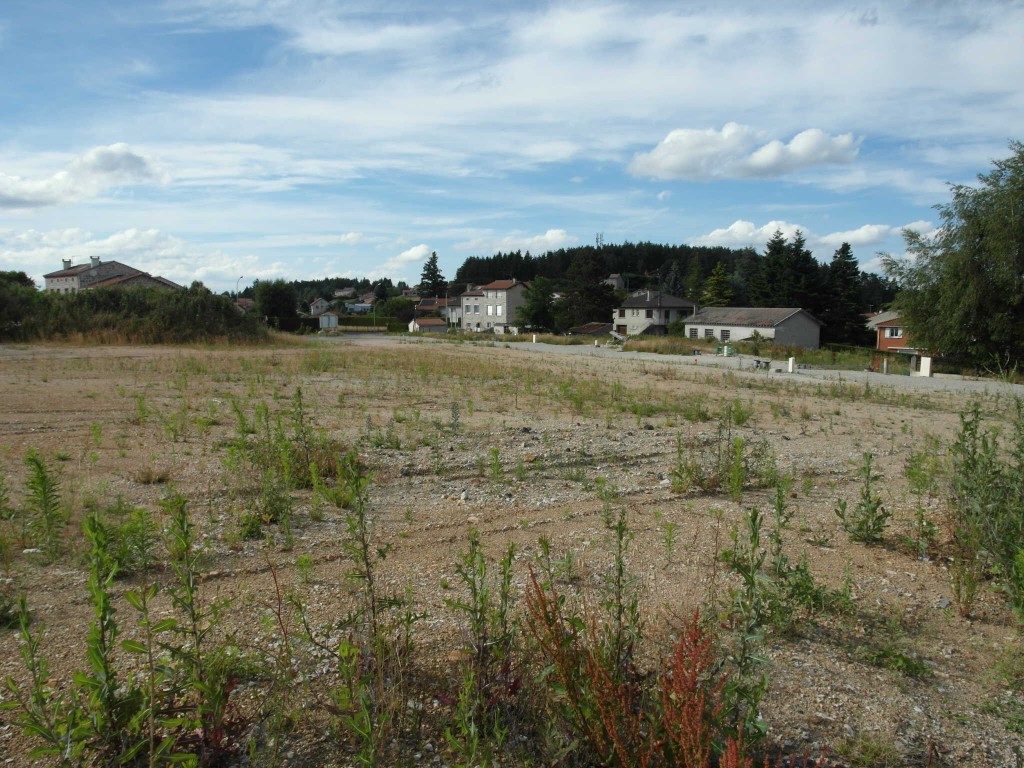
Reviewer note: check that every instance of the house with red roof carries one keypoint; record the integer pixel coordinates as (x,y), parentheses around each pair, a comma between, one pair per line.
(492,307)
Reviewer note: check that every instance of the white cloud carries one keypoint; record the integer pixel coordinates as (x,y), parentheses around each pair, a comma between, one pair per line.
(551,240)
(85,177)
(741,234)
(397,267)
(733,153)
(664,195)
(153,251)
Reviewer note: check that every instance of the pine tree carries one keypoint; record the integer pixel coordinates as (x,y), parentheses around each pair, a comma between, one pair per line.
(844,323)
(717,288)
(432,282)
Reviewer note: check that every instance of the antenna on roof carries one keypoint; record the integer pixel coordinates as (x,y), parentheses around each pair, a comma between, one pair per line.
(599,240)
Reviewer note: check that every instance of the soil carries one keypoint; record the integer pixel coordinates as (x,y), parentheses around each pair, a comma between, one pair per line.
(510,439)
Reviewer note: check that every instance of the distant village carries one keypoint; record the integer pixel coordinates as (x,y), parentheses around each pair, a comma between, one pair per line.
(494,308)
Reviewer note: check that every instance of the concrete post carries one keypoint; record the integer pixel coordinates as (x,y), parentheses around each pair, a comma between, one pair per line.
(792,364)
(535,338)
(885,365)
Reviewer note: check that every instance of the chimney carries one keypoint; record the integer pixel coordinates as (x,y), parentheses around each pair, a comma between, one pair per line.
(95,261)
(67,263)
(648,295)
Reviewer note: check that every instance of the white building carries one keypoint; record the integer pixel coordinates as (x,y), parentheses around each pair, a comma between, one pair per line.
(786,326)
(494,304)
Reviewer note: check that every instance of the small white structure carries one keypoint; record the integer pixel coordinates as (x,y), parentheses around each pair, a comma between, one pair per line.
(921,365)
(786,326)
(328,320)
(428,325)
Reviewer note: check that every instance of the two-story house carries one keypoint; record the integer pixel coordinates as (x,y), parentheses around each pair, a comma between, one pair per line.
(492,306)
(101,274)
(651,313)
(890,334)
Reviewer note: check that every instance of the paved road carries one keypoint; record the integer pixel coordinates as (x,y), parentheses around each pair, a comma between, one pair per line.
(743,365)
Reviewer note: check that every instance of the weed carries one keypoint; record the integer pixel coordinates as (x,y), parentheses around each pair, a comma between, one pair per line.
(142,412)
(868,750)
(869,518)
(132,535)
(304,567)
(45,515)
(454,423)
(491,681)
(669,537)
(494,467)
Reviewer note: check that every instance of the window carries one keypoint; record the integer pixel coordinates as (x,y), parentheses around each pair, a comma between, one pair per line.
(693,333)
(497,310)
(894,333)
(726,335)
(709,333)
(476,311)
(650,313)
(490,310)
(622,313)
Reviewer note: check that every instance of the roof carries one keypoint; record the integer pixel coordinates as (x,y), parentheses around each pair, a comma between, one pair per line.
(882,318)
(75,270)
(502,285)
(750,317)
(656,299)
(431,321)
(477,292)
(134,277)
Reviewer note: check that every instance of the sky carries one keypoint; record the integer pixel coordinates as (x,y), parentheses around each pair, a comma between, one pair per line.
(227,141)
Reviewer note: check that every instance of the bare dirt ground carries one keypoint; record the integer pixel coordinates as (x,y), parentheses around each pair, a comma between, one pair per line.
(510,441)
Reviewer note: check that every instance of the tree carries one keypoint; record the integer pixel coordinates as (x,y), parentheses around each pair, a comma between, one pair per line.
(538,304)
(432,282)
(844,323)
(403,310)
(587,297)
(962,292)
(717,288)
(276,298)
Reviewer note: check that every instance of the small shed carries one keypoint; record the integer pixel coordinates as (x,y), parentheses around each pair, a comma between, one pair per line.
(328,320)
(428,325)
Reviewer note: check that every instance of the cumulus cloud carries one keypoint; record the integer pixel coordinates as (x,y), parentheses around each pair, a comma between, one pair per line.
(551,240)
(741,234)
(398,266)
(734,152)
(87,176)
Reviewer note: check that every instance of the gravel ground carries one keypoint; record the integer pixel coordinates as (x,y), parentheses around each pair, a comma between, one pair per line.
(534,433)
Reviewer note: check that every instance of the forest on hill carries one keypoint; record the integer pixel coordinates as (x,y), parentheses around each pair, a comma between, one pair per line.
(785,275)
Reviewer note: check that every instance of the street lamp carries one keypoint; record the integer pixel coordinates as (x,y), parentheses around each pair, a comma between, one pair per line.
(236,285)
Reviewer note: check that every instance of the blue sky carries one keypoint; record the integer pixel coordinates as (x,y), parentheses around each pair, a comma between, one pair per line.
(212,140)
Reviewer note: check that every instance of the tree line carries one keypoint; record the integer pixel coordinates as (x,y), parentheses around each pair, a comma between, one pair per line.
(839,293)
